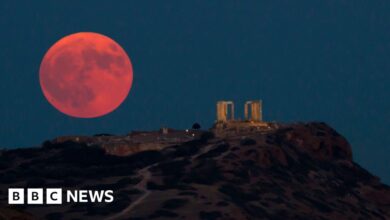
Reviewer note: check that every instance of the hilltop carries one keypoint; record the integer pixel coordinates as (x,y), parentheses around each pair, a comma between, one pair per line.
(269,171)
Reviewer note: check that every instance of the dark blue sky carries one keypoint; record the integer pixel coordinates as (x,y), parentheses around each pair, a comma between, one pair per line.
(309,61)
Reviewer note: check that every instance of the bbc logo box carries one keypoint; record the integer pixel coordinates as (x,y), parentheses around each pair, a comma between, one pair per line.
(16,196)
(35,196)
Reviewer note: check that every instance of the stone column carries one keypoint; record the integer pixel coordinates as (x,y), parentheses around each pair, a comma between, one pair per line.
(260,110)
(256,111)
(246,111)
(221,111)
(232,111)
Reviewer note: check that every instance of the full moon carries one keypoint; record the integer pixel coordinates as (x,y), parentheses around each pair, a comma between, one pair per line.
(86,75)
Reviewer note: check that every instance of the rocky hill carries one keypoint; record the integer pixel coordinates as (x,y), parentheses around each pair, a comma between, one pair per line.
(295,171)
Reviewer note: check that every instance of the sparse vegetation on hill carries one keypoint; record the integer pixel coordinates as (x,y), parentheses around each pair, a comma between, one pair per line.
(207,135)
(247,141)
(196,126)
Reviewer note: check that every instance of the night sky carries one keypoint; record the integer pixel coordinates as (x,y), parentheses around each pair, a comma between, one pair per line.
(309,61)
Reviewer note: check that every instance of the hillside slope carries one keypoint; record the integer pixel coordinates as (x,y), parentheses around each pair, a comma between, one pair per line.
(298,171)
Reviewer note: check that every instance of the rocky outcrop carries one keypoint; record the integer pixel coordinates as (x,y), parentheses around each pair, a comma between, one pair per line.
(317,140)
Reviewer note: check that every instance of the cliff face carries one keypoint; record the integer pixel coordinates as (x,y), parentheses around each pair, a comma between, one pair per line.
(297,171)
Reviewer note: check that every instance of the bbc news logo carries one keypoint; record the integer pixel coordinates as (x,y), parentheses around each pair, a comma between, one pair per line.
(54,196)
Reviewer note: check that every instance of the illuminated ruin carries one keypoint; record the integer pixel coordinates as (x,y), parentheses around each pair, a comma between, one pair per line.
(252,111)
(227,123)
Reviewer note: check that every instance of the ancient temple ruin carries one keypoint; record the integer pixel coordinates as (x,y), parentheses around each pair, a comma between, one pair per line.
(223,111)
(227,124)
(252,111)
(255,108)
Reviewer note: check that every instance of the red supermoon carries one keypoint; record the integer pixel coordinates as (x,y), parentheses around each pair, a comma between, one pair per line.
(86,75)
